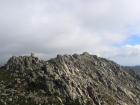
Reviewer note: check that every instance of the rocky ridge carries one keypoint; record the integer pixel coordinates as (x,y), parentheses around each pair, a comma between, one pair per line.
(67,80)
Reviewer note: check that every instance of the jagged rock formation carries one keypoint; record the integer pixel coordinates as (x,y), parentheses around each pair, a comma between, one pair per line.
(67,80)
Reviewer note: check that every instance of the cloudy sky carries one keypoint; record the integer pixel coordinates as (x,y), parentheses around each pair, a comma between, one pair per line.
(108,28)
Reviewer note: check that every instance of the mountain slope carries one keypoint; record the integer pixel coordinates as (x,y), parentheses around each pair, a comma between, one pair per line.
(67,80)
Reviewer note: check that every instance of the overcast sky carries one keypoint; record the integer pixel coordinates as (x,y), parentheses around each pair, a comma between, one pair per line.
(108,28)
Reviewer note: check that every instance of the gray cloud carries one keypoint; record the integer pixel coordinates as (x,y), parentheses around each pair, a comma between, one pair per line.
(48,27)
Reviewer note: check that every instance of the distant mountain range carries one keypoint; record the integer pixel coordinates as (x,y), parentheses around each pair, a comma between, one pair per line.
(135,68)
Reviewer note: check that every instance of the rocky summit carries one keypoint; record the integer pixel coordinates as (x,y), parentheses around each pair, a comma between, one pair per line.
(67,80)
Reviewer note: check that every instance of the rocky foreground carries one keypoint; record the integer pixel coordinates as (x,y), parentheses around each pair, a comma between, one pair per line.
(67,80)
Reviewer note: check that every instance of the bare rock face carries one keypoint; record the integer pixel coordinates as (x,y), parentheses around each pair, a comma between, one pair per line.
(67,80)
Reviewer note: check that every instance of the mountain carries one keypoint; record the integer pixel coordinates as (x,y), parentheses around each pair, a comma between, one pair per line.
(135,68)
(67,80)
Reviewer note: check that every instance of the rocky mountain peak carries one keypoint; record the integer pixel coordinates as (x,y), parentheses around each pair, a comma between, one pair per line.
(82,79)
(21,61)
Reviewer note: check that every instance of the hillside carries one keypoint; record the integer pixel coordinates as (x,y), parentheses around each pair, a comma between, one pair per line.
(67,80)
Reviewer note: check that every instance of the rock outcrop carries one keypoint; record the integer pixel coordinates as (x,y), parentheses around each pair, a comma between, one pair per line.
(67,80)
